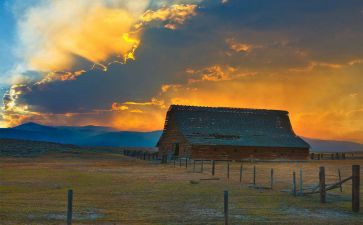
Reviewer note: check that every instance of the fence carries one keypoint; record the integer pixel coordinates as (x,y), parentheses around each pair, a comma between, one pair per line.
(300,182)
(335,155)
(321,188)
(295,180)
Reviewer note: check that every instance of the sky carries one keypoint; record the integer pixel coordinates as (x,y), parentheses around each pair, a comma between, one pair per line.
(122,63)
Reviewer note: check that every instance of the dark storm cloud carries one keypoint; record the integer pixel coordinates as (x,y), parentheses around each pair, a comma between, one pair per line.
(283,34)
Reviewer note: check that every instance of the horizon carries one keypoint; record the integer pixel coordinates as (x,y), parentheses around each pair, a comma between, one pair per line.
(121,64)
(116,130)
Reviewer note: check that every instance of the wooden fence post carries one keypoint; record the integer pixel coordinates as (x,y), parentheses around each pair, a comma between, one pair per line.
(226,207)
(322,184)
(294,183)
(201,166)
(174,162)
(272,178)
(193,166)
(254,174)
(355,187)
(180,162)
(301,193)
(69,208)
(228,170)
(340,180)
(186,163)
(164,159)
(240,173)
(213,167)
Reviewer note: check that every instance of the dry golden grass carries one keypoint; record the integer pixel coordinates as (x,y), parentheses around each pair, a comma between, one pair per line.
(113,189)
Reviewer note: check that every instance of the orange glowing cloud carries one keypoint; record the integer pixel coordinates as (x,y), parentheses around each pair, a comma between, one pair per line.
(175,14)
(54,34)
(216,62)
(312,112)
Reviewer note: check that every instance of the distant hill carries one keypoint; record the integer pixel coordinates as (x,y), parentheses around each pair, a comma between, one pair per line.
(105,136)
(84,136)
(22,148)
(124,138)
(318,145)
(25,148)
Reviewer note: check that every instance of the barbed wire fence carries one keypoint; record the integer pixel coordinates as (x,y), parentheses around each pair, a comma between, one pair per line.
(293,178)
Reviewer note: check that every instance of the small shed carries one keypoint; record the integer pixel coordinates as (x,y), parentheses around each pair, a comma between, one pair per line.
(222,133)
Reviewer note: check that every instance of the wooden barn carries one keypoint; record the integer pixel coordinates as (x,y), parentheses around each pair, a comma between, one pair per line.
(221,133)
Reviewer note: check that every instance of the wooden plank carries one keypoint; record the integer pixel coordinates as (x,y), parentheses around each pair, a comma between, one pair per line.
(331,187)
(322,185)
(271,178)
(69,207)
(340,180)
(294,183)
(213,178)
(301,183)
(240,173)
(226,207)
(254,174)
(213,167)
(355,187)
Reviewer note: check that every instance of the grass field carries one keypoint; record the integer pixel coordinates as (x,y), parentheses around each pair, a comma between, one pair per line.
(113,189)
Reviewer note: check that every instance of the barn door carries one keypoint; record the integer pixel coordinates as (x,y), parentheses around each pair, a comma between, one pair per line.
(176,149)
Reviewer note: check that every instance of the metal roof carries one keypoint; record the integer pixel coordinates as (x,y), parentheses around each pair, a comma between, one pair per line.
(234,126)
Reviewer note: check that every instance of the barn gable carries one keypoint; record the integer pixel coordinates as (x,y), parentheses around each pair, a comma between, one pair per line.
(220,126)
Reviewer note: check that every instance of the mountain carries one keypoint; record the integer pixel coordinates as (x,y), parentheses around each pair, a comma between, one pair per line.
(125,138)
(105,136)
(318,145)
(84,136)
(24,148)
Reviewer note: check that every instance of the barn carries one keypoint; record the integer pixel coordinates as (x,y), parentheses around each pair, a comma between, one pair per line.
(222,133)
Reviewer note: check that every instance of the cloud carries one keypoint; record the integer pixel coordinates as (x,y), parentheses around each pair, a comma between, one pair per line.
(174,14)
(54,33)
(72,35)
(238,47)
(62,40)
(298,56)
(215,73)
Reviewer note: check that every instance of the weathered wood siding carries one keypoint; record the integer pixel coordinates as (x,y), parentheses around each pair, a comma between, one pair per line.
(209,132)
(241,152)
(172,136)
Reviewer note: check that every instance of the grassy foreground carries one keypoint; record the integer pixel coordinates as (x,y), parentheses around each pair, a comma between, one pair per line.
(113,189)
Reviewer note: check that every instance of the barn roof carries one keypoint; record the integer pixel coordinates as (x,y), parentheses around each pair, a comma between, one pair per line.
(234,126)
